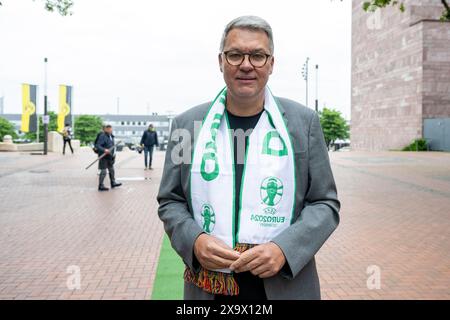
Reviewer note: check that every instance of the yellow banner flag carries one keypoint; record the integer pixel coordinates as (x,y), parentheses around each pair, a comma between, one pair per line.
(29,117)
(65,104)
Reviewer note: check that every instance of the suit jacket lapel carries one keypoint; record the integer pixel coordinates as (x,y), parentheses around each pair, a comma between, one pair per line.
(283,112)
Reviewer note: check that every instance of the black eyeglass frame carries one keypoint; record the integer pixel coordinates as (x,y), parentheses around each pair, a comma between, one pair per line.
(249,54)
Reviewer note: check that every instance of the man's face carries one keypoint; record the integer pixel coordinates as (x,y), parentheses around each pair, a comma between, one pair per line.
(246,81)
(109,130)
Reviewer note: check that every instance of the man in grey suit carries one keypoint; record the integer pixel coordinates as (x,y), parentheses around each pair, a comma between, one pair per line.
(284,267)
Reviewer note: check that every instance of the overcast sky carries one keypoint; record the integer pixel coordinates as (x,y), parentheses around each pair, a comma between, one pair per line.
(161,56)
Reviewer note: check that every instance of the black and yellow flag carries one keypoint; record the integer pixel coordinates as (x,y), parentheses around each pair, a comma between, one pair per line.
(29,117)
(65,106)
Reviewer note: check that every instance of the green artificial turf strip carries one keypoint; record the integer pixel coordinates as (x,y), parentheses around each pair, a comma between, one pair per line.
(169,281)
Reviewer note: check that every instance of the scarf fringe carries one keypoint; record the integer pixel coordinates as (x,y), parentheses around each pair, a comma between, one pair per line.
(215,282)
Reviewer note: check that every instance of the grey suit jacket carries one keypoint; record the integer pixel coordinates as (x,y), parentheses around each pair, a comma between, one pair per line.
(316,203)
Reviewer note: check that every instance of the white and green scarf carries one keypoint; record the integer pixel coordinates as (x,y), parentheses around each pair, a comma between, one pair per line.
(267,189)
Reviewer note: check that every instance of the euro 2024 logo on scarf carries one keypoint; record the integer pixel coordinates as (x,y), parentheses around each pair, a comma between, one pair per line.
(208,218)
(271,191)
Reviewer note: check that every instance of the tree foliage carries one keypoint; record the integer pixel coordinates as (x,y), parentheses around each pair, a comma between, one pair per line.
(333,125)
(86,128)
(63,7)
(373,5)
(52,126)
(7,128)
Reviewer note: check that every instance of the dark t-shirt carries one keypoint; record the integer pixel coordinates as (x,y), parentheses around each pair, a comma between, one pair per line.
(250,287)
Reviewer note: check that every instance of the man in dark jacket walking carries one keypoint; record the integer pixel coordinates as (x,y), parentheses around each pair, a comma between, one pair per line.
(94,148)
(148,141)
(106,145)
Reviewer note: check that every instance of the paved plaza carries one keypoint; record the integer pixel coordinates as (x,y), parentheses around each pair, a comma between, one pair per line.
(54,224)
(395,216)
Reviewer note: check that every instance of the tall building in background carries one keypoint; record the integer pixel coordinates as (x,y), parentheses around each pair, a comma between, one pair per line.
(400,76)
(2,107)
(128,128)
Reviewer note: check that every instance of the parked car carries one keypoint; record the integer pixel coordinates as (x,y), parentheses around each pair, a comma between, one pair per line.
(163,145)
(130,146)
(22,140)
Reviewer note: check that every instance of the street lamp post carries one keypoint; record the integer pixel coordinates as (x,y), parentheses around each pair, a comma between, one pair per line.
(45,118)
(317,88)
(305,77)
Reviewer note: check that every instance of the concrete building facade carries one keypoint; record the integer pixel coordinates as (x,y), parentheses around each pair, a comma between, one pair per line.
(400,73)
(128,128)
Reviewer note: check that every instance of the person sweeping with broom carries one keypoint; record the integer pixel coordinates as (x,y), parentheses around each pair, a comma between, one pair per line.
(107,155)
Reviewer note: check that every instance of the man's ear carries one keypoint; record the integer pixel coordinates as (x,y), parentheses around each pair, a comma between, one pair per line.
(220,62)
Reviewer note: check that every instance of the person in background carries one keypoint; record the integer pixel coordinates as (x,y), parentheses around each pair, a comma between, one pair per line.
(67,137)
(95,148)
(148,141)
(106,145)
(248,228)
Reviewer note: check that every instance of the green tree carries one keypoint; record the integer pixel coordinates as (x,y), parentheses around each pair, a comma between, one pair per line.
(7,128)
(62,6)
(333,125)
(373,5)
(87,127)
(52,126)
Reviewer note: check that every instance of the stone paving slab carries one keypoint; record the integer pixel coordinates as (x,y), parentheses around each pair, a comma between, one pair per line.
(53,218)
(395,219)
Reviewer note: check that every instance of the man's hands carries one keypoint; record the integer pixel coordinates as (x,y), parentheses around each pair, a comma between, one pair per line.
(264,260)
(107,151)
(213,253)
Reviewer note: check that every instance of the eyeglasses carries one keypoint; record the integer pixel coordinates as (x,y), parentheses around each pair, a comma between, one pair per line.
(257,59)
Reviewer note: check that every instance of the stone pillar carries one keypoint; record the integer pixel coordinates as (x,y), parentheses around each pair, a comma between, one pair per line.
(400,73)
(55,143)
(7,144)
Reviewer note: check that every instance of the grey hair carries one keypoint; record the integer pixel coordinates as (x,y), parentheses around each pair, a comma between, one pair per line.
(250,23)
